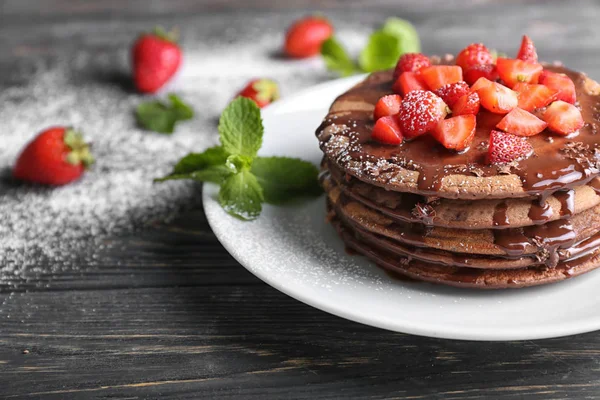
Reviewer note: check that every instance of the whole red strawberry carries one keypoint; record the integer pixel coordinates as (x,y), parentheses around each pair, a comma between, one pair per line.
(156,57)
(55,157)
(411,62)
(527,50)
(305,37)
(474,54)
(420,111)
(262,91)
(506,147)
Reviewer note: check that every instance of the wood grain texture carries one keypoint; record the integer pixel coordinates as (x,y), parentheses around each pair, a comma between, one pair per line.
(167,313)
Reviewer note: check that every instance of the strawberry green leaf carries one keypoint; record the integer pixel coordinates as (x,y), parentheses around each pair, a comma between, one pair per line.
(406,33)
(284,179)
(213,157)
(336,58)
(382,52)
(215,174)
(240,128)
(160,116)
(241,196)
(267,90)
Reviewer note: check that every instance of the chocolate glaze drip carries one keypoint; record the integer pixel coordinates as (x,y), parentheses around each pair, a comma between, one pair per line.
(567,202)
(595,184)
(540,212)
(500,215)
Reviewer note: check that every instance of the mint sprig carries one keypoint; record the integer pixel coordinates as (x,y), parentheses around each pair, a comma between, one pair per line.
(247,180)
(159,116)
(384,47)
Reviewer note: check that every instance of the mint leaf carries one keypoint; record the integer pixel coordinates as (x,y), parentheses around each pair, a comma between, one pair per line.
(241,196)
(161,117)
(382,52)
(189,166)
(336,58)
(238,163)
(240,127)
(405,32)
(283,178)
(214,174)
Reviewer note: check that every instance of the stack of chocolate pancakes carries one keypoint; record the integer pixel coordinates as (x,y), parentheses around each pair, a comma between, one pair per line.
(448,217)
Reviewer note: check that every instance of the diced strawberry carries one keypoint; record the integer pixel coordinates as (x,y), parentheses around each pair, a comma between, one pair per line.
(468,104)
(513,71)
(532,96)
(411,62)
(527,51)
(480,83)
(474,54)
(387,130)
(387,105)
(455,133)
(498,98)
(451,92)
(521,123)
(563,118)
(561,83)
(437,76)
(505,147)
(407,82)
(475,72)
(420,112)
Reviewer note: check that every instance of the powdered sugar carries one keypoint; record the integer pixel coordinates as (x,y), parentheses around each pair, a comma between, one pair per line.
(44,229)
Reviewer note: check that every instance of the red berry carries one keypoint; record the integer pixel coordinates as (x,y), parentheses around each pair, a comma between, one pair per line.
(527,51)
(55,157)
(468,104)
(156,57)
(411,62)
(305,37)
(451,92)
(387,105)
(475,72)
(563,118)
(514,71)
(456,133)
(480,84)
(387,130)
(532,96)
(407,82)
(563,85)
(262,91)
(498,98)
(521,123)
(474,54)
(420,111)
(437,76)
(506,147)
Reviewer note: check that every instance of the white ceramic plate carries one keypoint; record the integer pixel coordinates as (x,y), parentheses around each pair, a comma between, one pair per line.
(292,249)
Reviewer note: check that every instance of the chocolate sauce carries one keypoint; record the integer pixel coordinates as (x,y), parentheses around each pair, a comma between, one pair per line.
(500,214)
(540,212)
(595,184)
(567,202)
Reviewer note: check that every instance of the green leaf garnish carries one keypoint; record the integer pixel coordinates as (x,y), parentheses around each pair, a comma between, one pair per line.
(382,52)
(241,196)
(336,58)
(405,32)
(240,127)
(284,179)
(246,180)
(160,116)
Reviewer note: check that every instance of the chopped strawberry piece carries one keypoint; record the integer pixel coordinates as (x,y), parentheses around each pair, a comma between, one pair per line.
(527,51)
(514,71)
(532,96)
(506,147)
(480,84)
(437,76)
(420,112)
(468,104)
(563,118)
(498,98)
(387,105)
(521,123)
(561,83)
(451,92)
(407,82)
(411,62)
(475,72)
(474,54)
(455,133)
(387,130)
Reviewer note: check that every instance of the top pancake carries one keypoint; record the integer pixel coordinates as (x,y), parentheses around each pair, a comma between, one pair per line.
(424,167)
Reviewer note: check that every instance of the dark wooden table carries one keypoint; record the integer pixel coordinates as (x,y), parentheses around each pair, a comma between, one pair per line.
(168,313)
